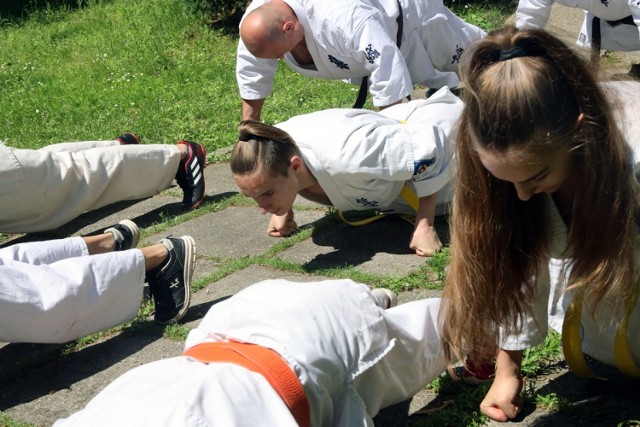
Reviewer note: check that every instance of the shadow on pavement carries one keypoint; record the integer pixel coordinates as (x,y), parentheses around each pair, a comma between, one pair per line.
(197,312)
(150,217)
(29,371)
(357,245)
(595,402)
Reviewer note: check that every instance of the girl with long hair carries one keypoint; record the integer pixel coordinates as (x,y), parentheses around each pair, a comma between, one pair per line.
(545,213)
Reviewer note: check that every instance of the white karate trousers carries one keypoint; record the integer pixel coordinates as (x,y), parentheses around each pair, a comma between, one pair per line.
(54,291)
(44,189)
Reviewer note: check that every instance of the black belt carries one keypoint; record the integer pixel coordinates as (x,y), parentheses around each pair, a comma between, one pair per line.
(627,20)
(364,85)
(596,37)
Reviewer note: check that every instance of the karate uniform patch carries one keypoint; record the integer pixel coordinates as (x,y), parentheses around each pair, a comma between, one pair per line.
(422,166)
(338,63)
(367,203)
(456,57)
(371,54)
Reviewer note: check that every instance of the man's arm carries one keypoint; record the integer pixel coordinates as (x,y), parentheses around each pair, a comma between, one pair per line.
(251,109)
(389,79)
(255,81)
(533,13)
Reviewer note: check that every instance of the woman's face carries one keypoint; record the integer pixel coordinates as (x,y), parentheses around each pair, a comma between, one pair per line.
(273,193)
(530,173)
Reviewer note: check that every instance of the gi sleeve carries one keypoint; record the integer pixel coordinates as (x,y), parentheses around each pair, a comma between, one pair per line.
(254,75)
(389,78)
(535,326)
(533,13)
(432,155)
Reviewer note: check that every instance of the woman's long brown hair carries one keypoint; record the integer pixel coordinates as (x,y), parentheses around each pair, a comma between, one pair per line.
(499,243)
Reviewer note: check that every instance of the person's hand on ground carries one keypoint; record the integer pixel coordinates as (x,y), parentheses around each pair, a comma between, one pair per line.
(425,240)
(282,225)
(503,401)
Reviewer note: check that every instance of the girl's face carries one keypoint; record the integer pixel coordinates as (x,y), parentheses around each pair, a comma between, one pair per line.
(530,173)
(273,193)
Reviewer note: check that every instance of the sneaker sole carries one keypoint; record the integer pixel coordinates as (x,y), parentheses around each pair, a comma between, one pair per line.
(475,381)
(189,267)
(135,231)
(202,168)
(136,139)
(199,149)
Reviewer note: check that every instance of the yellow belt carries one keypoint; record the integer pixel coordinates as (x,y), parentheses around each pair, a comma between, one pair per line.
(406,193)
(572,347)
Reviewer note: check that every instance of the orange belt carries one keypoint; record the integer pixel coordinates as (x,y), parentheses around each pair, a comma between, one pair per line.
(265,362)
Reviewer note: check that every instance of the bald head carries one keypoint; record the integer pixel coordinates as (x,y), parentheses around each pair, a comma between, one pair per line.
(271,30)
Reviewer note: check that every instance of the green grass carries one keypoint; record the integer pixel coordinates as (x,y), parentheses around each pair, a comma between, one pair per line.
(536,359)
(6,421)
(153,68)
(487,15)
(551,402)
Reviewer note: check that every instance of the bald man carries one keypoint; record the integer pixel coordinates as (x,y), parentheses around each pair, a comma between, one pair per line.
(350,40)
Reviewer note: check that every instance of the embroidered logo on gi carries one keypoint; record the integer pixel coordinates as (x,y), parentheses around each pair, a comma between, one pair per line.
(338,63)
(456,57)
(371,54)
(421,166)
(366,203)
(605,3)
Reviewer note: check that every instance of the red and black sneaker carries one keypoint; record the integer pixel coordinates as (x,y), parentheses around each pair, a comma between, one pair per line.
(128,138)
(478,372)
(190,176)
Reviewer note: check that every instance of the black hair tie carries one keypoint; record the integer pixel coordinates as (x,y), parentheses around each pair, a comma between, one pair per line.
(248,137)
(514,52)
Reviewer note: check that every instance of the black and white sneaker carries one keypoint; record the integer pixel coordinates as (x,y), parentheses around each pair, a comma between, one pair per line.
(125,233)
(170,284)
(128,138)
(190,176)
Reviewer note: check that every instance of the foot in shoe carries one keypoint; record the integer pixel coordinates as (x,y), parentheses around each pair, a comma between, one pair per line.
(384,298)
(170,284)
(190,176)
(128,138)
(478,372)
(125,233)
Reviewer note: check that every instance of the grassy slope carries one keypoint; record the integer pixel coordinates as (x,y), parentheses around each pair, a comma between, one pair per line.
(150,67)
